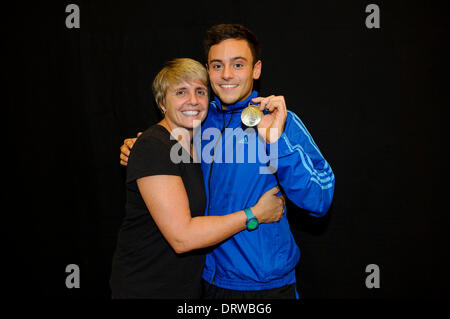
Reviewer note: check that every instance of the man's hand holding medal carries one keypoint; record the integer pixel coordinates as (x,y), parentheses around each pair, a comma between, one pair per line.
(269,116)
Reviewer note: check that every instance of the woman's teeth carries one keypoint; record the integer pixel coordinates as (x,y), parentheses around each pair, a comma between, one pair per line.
(190,113)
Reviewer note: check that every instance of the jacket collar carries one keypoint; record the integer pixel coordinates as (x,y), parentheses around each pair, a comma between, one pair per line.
(234,107)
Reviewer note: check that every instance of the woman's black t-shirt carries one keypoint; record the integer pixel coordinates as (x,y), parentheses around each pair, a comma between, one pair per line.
(144,264)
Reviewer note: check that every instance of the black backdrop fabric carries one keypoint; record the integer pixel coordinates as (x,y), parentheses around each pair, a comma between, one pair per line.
(374,100)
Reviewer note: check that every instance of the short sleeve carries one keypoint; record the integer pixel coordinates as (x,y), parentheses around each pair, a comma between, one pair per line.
(150,156)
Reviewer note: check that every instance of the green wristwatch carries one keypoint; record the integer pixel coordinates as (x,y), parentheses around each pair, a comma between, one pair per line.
(252,222)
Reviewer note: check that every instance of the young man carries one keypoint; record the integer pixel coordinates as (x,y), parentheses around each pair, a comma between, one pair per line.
(256,263)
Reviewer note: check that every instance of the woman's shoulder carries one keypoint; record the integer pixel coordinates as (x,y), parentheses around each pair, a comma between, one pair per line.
(150,155)
(155,134)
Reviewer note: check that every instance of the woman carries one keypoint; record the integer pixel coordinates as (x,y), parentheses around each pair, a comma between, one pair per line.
(159,252)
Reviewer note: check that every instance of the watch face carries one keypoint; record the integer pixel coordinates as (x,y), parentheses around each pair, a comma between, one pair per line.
(252,224)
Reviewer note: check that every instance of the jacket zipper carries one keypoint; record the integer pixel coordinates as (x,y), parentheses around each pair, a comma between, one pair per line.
(210,173)
(214,153)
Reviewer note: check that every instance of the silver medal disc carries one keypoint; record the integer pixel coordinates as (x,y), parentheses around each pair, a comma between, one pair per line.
(251,116)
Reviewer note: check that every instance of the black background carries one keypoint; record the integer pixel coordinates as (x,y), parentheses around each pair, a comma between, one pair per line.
(375,101)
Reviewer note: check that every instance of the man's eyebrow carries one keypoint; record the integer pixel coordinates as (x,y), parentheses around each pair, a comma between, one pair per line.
(238,58)
(232,59)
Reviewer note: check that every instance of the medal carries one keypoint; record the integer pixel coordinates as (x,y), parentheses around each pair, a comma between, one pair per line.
(251,115)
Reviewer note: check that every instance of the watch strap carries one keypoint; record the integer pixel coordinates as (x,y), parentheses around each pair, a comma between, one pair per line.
(249,213)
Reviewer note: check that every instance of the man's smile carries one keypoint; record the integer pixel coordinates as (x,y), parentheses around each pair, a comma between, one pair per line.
(228,86)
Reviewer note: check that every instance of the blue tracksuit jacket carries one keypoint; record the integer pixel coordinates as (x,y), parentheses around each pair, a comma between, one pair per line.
(266,257)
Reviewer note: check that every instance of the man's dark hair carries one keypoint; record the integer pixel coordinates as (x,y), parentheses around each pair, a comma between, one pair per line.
(221,32)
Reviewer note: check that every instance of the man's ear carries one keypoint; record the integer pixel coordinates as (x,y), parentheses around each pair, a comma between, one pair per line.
(257,70)
(207,68)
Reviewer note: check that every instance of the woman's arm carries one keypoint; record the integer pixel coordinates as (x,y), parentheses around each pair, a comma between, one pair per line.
(167,201)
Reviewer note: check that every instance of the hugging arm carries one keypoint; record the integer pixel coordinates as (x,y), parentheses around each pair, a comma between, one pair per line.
(184,232)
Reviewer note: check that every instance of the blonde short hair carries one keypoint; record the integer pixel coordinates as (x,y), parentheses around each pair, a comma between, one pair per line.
(175,72)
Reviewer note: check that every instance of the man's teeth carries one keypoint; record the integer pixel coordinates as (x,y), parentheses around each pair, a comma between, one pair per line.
(190,113)
(228,86)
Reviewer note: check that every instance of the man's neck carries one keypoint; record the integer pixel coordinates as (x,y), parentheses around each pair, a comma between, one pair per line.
(225,106)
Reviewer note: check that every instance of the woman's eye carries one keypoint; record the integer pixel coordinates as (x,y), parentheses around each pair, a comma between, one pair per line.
(179,93)
(201,92)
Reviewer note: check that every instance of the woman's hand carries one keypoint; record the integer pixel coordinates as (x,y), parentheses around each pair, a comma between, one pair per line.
(269,208)
(125,149)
